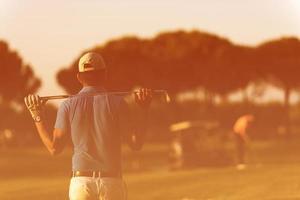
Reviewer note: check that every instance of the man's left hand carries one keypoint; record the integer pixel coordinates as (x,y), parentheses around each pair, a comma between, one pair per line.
(35,106)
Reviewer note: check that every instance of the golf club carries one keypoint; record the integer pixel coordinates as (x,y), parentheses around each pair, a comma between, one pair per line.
(161,92)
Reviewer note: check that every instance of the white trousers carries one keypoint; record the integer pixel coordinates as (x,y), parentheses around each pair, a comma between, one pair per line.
(89,188)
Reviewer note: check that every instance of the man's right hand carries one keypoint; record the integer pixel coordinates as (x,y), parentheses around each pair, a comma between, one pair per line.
(35,106)
(143,97)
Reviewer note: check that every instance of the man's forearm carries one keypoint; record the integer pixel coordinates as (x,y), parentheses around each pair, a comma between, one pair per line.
(45,136)
(35,106)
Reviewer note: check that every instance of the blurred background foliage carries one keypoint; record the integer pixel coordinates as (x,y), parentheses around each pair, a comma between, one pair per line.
(181,62)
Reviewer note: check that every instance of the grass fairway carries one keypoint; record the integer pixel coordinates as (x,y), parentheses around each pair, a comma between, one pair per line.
(32,174)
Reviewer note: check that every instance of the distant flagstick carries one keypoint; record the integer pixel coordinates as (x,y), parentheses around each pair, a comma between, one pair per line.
(163,92)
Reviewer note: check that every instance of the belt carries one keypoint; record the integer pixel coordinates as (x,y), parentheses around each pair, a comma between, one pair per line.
(95,174)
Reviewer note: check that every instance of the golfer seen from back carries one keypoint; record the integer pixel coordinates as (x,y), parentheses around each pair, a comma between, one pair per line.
(96,124)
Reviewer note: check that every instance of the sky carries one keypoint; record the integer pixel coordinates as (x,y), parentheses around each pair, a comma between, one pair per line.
(50,34)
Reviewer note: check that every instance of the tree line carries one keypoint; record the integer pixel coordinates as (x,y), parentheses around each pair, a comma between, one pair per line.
(181,60)
(176,61)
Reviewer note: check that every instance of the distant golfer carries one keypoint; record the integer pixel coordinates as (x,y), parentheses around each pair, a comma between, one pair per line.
(96,123)
(240,129)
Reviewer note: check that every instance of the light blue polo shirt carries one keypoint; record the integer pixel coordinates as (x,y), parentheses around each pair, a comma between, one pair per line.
(93,120)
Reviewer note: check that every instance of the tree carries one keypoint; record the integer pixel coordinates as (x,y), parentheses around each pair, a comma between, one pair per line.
(279,61)
(231,69)
(16,80)
(176,61)
(182,58)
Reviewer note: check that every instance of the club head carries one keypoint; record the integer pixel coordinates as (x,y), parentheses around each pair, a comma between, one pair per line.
(167,97)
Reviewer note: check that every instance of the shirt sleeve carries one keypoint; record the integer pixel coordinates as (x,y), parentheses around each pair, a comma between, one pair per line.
(62,118)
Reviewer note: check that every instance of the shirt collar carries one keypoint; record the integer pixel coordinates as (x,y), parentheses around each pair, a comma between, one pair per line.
(91,89)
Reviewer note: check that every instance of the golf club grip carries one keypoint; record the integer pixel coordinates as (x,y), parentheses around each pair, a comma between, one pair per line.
(46,98)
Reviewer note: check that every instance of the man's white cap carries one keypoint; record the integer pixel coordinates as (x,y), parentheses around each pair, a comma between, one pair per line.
(90,62)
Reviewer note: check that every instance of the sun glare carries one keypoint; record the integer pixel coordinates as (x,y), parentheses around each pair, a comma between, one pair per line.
(5,8)
(295,5)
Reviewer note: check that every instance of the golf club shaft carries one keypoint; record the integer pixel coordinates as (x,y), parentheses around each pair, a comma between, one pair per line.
(46,98)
